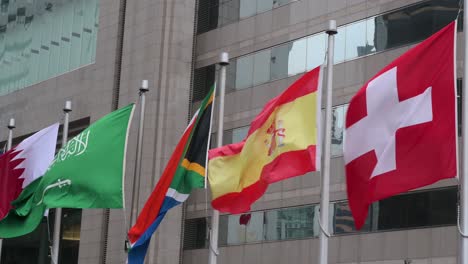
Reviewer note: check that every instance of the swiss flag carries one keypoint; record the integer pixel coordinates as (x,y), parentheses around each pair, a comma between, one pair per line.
(401,125)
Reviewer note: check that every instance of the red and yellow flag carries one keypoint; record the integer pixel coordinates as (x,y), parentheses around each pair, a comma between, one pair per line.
(282,142)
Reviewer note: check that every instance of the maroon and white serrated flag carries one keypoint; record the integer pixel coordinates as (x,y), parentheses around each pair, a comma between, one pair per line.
(401,125)
(24,163)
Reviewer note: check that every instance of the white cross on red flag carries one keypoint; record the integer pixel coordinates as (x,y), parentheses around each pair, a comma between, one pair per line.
(401,125)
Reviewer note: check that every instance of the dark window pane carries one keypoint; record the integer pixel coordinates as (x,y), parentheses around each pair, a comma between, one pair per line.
(70,243)
(343,221)
(420,209)
(195,233)
(411,24)
(279,62)
(207,15)
(228,12)
(203,79)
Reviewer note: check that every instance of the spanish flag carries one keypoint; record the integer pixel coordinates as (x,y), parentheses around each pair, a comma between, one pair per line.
(282,142)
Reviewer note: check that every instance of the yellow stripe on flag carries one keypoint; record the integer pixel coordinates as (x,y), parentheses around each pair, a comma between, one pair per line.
(192,166)
(292,127)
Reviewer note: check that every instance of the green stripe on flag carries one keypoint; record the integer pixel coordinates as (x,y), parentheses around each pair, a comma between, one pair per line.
(190,173)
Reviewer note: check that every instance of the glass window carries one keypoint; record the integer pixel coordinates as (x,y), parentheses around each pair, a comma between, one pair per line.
(228,12)
(238,134)
(70,243)
(338,121)
(343,221)
(254,226)
(316,48)
(235,232)
(203,79)
(30,248)
(244,70)
(340,42)
(207,17)
(290,223)
(278,3)
(355,40)
(247,8)
(371,41)
(264,5)
(195,235)
(280,62)
(231,75)
(261,70)
(419,209)
(36,40)
(297,60)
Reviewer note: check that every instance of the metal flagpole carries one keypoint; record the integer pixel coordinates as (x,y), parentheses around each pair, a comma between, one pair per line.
(58,211)
(136,180)
(223,62)
(11,126)
(463,250)
(325,195)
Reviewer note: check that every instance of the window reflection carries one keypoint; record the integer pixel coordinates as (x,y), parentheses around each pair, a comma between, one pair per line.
(296,58)
(247,8)
(244,69)
(39,41)
(238,134)
(394,29)
(279,62)
(338,121)
(339,52)
(427,208)
(356,40)
(316,50)
(290,223)
(261,70)
(228,12)
(264,5)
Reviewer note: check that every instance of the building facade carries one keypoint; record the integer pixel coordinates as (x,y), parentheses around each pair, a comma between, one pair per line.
(96,52)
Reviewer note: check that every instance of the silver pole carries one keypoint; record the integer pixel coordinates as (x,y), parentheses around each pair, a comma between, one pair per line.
(137,174)
(58,211)
(11,126)
(325,195)
(223,62)
(463,250)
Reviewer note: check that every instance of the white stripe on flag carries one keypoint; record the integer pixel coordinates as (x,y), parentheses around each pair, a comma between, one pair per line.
(180,197)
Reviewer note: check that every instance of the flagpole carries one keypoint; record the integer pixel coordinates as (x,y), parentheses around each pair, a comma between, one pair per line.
(463,248)
(223,62)
(137,172)
(58,211)
(11,126)
(325,195)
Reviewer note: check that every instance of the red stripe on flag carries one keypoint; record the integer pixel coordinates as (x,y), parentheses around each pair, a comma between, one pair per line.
(228,150)
(153,205)
(286,165)
(307,84)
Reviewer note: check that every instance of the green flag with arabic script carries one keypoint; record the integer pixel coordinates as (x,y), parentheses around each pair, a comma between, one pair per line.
(88,172)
